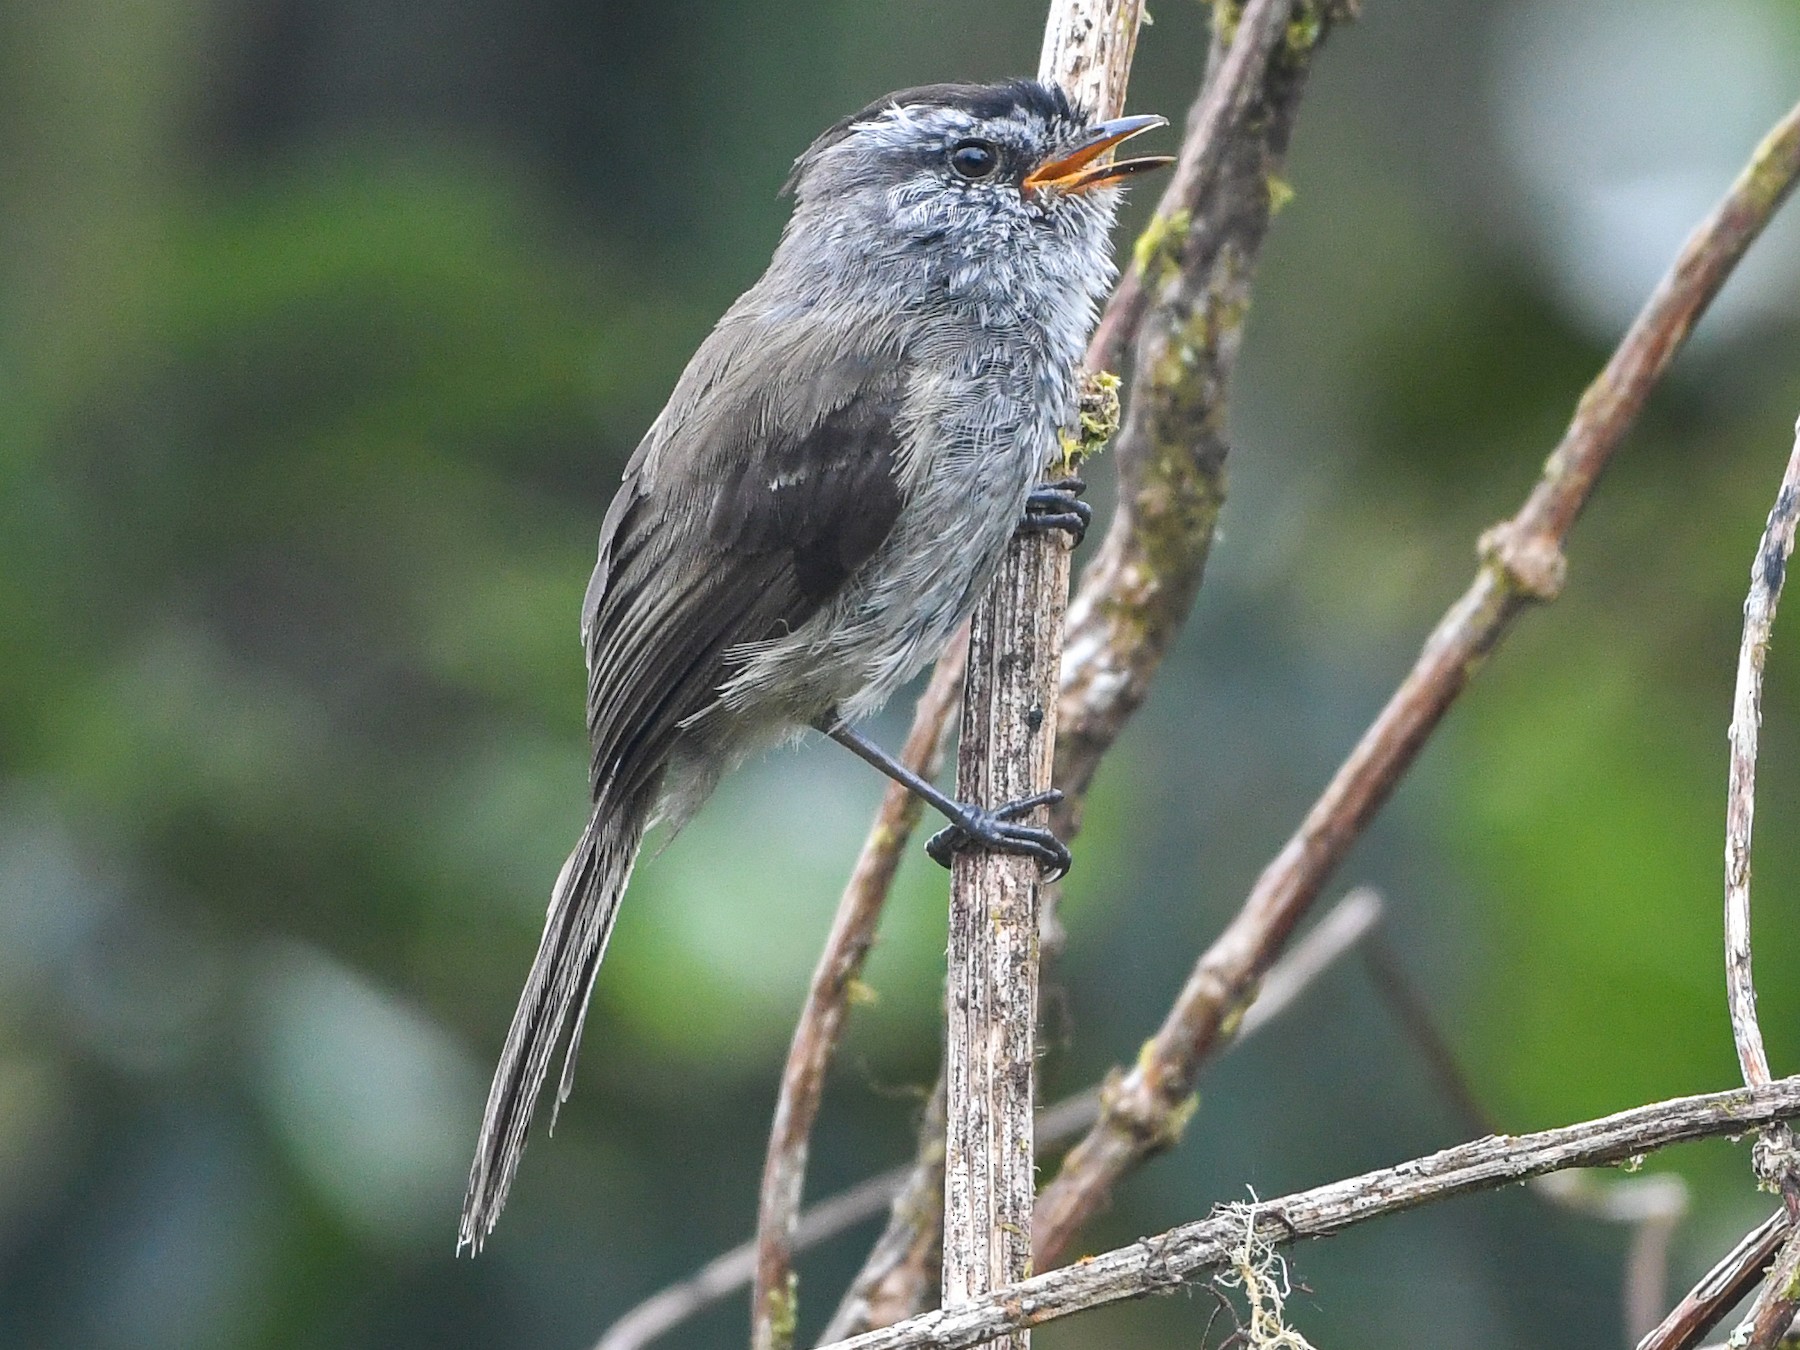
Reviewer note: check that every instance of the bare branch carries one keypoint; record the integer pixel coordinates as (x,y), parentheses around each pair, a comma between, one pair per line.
(1164,1263)
(1192,274)
(897,1280)
(1771,1317)
(1522,563)
(1767,573)
(1775,1152)
(827,1004)
(1005,753)
(1721,1288)
(1344,925)
(1213,120)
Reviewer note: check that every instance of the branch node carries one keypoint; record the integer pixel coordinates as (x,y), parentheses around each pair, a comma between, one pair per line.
(1137,1108)
(1531,564)
(1775,1158)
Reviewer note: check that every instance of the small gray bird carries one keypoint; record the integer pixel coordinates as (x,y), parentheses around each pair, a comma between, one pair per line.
(827,493)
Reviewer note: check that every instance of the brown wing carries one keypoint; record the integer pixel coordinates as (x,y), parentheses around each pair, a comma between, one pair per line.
(739,518)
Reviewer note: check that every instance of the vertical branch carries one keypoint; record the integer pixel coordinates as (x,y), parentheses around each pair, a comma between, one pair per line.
(827,1004)
(991,998)
(1008,738)
(1766,576)
(899,1278)
(1774,1156)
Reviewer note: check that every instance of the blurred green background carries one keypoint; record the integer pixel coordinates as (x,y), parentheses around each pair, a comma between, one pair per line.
(325,329)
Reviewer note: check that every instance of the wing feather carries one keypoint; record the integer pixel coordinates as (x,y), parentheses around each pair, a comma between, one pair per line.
(746,510)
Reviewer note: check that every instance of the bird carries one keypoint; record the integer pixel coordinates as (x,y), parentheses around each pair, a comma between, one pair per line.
(828,491)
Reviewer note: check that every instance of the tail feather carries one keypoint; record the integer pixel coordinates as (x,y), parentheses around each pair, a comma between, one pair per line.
(583,904)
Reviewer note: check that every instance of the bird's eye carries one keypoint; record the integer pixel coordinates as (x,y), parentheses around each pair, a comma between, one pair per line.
(974,159)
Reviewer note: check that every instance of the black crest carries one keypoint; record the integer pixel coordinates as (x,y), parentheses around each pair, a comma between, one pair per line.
(983,101)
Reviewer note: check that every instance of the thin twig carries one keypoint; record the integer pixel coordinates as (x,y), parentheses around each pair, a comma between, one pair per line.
(828,997)
(1413,1015)
(1521,563)
(1005,753)
(1722,1288)
(1343,926)
(1164,1263)
(1775,1151)
(1767,573)
(1346,924)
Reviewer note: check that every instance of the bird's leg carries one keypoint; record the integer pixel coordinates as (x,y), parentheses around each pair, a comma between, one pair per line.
(1058,506)
(970,825)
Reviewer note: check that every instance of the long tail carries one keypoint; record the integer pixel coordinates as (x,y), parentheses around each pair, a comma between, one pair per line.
(582,908)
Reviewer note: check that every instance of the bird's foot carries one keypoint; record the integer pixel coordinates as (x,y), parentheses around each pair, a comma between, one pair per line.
(1058,506)
(998,829)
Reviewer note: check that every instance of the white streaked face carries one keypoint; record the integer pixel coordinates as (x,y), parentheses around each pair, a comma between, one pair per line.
(983,153)
(1001,194)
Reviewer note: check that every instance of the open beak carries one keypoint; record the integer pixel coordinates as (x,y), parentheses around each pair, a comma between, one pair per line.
(1086,166)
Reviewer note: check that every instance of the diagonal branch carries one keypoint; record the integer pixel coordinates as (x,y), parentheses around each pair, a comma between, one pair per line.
(1771,1317)
(1188,290)
(1164,1263)
(1521,564)
(1721,1288)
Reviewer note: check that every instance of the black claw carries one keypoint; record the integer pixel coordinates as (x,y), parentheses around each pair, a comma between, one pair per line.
(1014,809)
(1058,506)
(996,829)
(946,844)
(1038,522)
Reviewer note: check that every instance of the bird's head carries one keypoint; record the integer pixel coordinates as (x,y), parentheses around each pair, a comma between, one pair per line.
(964,172)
